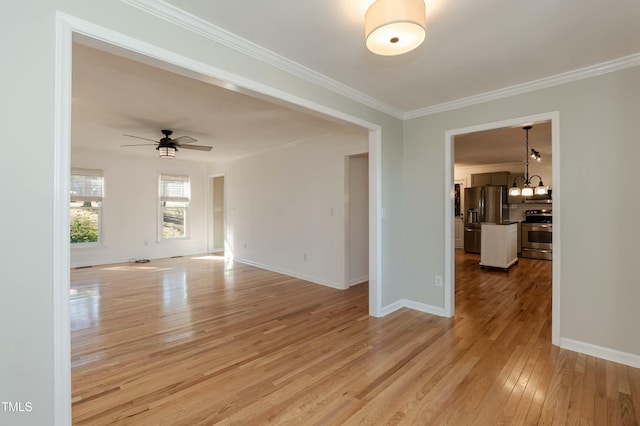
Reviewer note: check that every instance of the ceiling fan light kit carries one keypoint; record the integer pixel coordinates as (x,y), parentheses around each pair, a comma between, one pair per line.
(394,27)
(167,147)
(166,151)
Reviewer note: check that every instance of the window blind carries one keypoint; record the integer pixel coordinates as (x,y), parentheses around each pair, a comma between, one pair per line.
(86,185)
(174,188)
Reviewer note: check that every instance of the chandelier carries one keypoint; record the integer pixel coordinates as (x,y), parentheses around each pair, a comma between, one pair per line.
(528,189)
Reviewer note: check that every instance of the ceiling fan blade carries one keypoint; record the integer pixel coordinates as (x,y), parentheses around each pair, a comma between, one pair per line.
(141,144)
(196,147)
(138,137)
(184,140)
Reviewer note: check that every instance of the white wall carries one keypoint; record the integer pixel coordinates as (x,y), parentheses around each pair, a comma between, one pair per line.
(130,208)
(285,208)
(599,150)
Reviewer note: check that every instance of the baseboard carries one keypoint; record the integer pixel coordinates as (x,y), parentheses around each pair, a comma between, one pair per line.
(359,280)
(309,278)
(416,306)
(601,352)
(386,310)
(111,261)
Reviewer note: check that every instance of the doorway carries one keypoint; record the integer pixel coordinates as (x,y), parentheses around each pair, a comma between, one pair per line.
(449,296)
(458,203)
(69,27)
(218,227)
(356,219)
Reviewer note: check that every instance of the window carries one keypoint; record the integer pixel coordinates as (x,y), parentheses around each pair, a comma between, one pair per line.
(86,192)
(174,204)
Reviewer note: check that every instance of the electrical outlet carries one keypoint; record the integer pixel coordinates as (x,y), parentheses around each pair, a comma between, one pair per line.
(304,256)
(438,280)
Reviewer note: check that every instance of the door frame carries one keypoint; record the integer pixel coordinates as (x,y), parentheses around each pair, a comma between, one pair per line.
(346,214)
(449,245)
(463,185)
(65,28)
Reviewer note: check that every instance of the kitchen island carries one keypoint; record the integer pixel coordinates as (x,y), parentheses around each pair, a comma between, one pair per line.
(499,245)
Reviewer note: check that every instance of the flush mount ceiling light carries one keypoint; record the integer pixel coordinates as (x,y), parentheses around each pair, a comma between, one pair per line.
(528,190)
(394,27)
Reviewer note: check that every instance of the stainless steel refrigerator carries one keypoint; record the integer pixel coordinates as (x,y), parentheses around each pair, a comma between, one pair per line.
(482,204)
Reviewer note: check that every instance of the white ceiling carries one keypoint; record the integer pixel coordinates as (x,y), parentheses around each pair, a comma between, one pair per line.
(502,146)
(472,48)
(113,96)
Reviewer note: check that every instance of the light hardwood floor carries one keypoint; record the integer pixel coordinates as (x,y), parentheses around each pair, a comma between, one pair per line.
(197,341)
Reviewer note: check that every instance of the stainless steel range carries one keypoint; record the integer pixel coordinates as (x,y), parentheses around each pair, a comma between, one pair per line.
(537,232)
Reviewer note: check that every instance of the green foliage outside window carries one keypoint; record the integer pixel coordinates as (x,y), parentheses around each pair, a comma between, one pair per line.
(84,226)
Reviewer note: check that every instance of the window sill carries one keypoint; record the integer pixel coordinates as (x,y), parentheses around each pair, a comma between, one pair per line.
(86,245)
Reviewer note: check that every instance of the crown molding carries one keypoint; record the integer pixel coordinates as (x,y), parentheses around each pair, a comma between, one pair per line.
(175,15)
(188,21)
(543,83)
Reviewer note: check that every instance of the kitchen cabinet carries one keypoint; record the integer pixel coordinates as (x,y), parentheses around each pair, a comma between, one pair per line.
(499,245)
(480,179)
(494,178)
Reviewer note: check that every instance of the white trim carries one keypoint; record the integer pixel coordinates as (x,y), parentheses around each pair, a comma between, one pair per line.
(66,26)
(359,280)
(449,223)
(542,83)
(625,358)
(61,246)
(416,306)
(449,246)
(197,25)
(283,271)
(391,308)
(556,289)
(375,222)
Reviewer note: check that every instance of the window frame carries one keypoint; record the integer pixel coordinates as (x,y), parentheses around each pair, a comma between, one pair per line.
(99,198)
(184,198)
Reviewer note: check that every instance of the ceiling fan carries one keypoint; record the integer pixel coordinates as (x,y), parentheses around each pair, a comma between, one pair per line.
(167,147)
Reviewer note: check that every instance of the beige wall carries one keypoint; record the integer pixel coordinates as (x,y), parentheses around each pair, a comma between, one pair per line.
(598,156)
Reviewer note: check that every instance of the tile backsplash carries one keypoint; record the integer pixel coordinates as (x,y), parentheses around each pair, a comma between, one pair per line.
(517,211)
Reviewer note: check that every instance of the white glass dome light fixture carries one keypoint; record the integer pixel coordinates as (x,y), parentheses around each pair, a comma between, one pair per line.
(528,190)
(394,27)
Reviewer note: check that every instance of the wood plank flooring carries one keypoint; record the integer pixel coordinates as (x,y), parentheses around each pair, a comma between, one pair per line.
(200,341)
